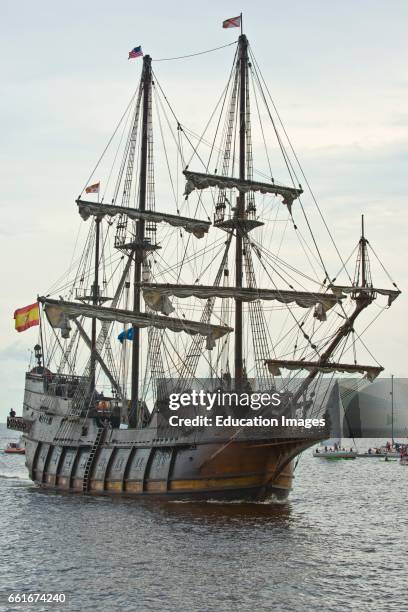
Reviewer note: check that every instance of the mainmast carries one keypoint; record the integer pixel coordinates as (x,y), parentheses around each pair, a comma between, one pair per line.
(240,210)
(140,229)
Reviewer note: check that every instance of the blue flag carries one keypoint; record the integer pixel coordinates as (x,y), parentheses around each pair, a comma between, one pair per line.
(126,335)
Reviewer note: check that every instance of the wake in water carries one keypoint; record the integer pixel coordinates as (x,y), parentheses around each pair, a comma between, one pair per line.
(12,467)
(267,502)
(14,477)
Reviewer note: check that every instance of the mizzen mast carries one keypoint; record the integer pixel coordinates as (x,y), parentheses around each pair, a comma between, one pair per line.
(95,301)
(363,254)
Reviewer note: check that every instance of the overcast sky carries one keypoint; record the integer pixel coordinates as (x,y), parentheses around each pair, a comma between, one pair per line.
(337,70)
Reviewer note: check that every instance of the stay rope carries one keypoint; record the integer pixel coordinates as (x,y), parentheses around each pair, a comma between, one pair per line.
(170,59)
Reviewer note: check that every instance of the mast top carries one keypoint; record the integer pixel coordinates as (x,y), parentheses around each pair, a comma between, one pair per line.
(364,257)
(242,39)
(240,21)
(147,63)
(362,229)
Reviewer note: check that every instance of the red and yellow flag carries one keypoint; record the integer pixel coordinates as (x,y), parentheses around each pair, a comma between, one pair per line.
(93,188)
(27,317)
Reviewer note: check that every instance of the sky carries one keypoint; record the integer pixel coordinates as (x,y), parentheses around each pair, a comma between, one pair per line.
(337,71)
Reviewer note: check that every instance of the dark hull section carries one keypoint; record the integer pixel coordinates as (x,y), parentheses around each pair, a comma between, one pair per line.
(233,471)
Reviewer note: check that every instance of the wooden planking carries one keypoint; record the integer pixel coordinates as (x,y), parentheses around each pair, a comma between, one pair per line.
(53,465)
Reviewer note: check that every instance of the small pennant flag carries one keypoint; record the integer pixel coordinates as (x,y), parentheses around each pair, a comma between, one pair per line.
(233,22)
(93,188)
(27,317)
(136,52)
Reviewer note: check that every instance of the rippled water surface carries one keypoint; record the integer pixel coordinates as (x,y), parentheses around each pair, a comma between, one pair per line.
(339,543)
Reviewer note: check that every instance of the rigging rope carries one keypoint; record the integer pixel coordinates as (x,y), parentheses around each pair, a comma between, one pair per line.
(383,267)
(170,59)
(299,165)
(179,125)
(109,142)
(289,165)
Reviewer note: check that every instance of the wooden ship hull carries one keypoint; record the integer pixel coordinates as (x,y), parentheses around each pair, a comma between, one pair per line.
(75,454)
(202,472)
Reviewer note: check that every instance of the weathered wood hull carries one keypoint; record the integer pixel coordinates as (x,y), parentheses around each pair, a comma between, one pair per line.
(74,454)
(236,470)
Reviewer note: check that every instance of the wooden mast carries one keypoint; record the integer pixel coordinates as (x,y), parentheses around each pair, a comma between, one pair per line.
(362,299)
(240,211)
(95,301)
(363,246)
(392,408)
(140,230)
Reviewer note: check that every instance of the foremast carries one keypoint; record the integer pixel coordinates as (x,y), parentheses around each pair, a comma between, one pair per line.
(363,293)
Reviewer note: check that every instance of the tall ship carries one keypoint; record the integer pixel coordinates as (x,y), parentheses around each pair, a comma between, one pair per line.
(199,269)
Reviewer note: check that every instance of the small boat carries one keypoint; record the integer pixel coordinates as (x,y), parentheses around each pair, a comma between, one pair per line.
(387,451)
(334,454)
(15,448)
(331,449)
(381,454)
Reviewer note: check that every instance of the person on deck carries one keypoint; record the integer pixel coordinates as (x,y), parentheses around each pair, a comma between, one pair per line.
(12,413)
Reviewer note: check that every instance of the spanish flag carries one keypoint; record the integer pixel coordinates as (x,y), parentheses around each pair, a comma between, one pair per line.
(93,188)
(27,317)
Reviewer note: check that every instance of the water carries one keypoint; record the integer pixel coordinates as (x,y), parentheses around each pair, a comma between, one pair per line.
(339,543)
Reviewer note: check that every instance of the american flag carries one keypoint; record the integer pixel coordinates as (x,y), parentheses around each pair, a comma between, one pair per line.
(233,22)
(136,52)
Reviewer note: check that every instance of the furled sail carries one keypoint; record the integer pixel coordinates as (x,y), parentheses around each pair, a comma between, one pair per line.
(391,293)
(59,312)
(274,366)
(200,180)
(196,227)
(155,294)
